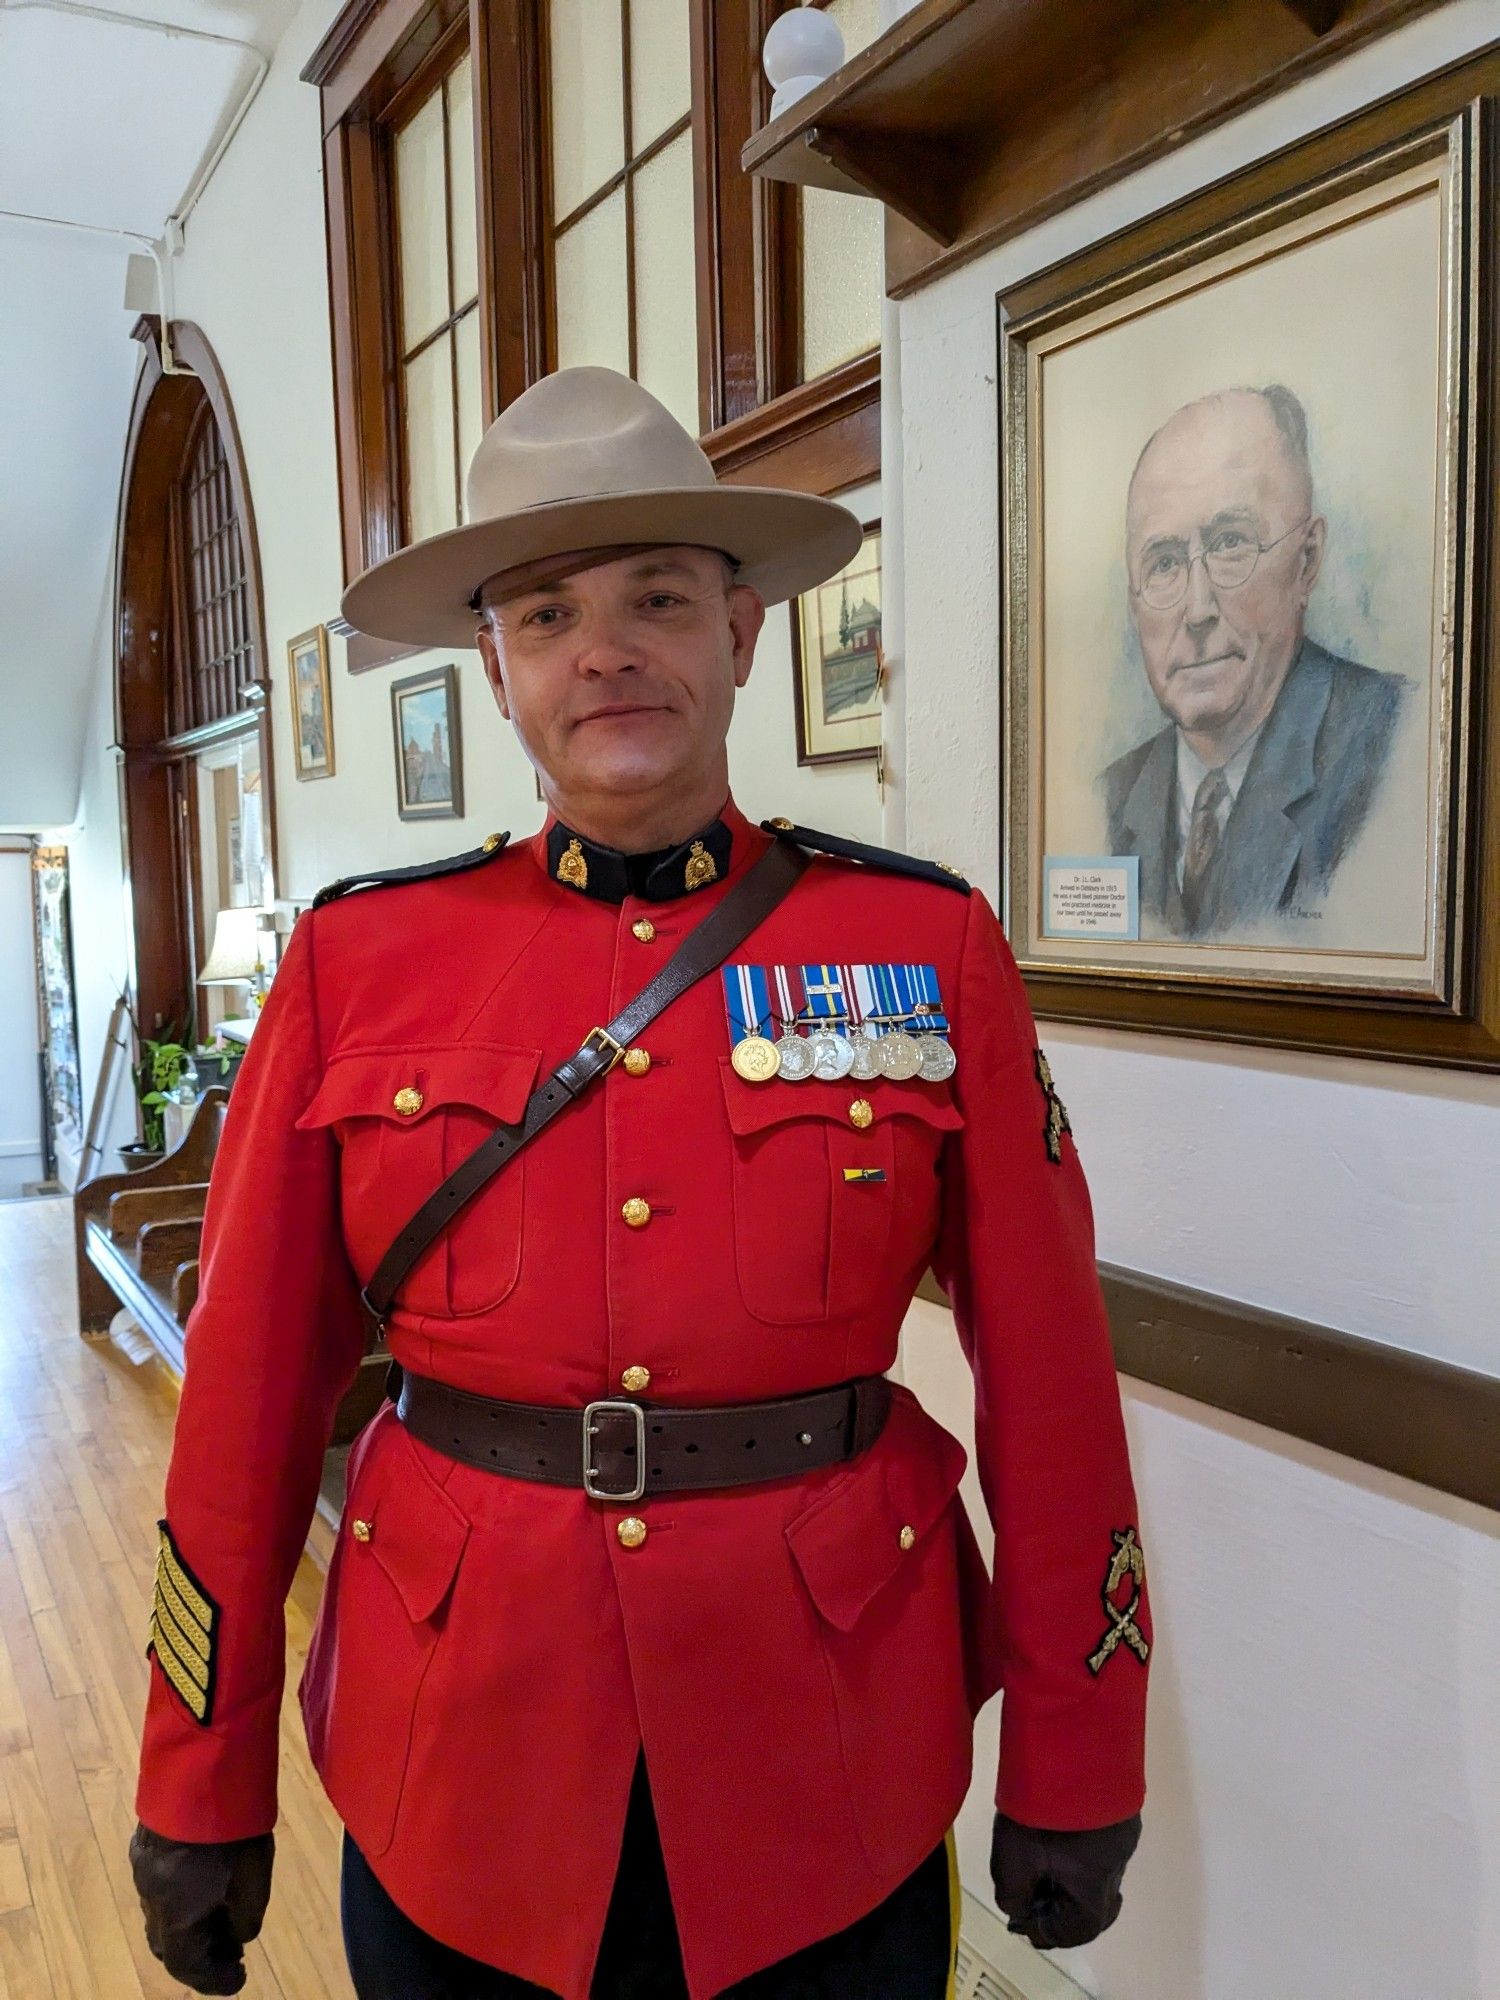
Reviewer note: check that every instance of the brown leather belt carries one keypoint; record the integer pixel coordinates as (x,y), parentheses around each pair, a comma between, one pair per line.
(622,1449)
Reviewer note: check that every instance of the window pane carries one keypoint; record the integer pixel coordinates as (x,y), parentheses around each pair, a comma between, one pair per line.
(430,501)
(461,172)
(843,277)
(470,418)
(420,222)
(859,23)
(588,109)
(666,327)
(661,82)
(592,309)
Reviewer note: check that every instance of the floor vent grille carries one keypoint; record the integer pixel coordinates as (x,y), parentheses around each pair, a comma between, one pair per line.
(994,1964)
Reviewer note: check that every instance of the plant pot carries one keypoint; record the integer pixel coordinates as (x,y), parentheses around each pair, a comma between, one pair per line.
(135,1155)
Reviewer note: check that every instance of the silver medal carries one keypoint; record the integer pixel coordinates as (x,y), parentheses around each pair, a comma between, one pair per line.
(833,1056)
(865,1060)
(938,1059)
(797,1056)
(899,1055)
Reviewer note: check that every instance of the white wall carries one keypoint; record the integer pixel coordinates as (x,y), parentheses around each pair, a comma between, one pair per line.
(1323,1821)
(20,1025)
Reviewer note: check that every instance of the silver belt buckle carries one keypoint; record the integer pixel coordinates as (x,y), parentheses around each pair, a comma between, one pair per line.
(639,1415)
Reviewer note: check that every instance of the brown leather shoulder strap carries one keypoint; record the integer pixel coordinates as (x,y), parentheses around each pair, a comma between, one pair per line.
(703,950)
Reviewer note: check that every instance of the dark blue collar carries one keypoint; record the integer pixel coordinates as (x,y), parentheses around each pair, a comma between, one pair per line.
(611,875)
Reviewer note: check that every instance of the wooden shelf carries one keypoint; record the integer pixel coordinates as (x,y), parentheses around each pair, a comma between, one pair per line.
(972,119)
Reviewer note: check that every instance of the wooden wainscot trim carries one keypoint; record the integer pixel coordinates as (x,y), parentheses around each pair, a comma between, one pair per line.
(820,438)
(1424,1419)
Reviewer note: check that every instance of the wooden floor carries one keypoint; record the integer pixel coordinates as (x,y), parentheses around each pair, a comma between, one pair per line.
(84,1437)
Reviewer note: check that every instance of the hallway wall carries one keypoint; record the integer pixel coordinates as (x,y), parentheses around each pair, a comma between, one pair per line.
(1322,1823)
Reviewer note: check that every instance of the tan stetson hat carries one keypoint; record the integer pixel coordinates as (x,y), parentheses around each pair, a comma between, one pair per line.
(584,459)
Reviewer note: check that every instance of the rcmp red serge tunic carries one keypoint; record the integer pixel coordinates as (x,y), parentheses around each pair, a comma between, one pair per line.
(802,1660)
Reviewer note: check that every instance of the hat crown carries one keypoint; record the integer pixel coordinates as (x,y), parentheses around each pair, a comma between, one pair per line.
(580,433)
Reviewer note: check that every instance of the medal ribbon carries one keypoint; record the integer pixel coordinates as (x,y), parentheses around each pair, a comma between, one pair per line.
(791,997)
(924,986)
(747,1000)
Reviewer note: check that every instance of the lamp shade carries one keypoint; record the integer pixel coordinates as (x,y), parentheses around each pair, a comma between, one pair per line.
(236,948)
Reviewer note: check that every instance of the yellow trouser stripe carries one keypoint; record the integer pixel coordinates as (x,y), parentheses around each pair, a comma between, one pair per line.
(955,1914)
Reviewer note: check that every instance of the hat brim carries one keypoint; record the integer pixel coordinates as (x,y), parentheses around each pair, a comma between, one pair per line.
(784,542)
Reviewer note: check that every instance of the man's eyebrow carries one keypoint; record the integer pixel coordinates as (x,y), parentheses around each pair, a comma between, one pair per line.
(638,573)
(1226,515)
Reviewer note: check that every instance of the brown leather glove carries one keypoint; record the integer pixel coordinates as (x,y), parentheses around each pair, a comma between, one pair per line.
(1060,1888)
(203,1901)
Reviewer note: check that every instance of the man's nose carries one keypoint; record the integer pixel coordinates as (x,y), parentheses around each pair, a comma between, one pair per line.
(601,651)
(1201,607)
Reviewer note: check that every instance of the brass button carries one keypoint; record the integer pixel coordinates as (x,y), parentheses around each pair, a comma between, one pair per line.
(637,1062)
(492,841)
(635,1378)
(360,1530)
(637,1212)
(860,1113)
(408,1100)
(632,1531)
(644,929)
(784,824)
(907,1537)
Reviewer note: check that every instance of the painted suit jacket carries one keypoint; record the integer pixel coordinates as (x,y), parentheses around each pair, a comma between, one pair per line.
(803,1658)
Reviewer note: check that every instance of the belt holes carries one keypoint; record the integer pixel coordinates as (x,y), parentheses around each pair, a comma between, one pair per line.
(541,1461)
(749,1444)
(656,1430)
(494,1451)
(656,1472)
(690,1447)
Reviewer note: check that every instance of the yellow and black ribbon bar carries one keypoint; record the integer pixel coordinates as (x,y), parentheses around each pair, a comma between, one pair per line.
(184,1629)
(864,1173)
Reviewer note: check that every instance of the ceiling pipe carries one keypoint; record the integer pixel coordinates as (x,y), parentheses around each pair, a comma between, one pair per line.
(164,248)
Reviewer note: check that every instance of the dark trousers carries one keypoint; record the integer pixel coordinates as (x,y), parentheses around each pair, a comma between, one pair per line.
(903,1949)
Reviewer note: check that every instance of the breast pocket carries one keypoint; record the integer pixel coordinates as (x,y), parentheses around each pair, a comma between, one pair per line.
(836,1191)
(405,1118)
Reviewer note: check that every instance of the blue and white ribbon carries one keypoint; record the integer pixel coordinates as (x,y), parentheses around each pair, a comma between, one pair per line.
(747,997)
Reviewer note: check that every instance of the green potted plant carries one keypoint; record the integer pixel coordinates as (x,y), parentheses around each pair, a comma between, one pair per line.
(157,1070)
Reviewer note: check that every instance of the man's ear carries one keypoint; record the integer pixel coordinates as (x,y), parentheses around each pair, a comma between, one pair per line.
(1314,542)
(747,614)
(489,653)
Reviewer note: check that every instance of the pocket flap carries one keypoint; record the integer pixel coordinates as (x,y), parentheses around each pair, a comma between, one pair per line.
(412,1528)
(755,1107)
(365,1083)
(848,1541)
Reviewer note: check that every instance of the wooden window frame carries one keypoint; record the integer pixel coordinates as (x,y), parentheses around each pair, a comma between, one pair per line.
(758,423)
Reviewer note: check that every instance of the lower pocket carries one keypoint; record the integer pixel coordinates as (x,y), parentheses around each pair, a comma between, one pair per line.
(879,1553)
(382,1619)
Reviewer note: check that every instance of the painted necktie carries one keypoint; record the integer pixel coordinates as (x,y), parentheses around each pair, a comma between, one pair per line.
(1202,843)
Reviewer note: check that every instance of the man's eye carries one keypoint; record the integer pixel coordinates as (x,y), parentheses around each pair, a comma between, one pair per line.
(545,611)
(663,597)
(1166,562)
(1230,542)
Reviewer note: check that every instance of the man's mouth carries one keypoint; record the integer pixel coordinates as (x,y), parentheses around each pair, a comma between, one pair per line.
(622,712)
(1210,660)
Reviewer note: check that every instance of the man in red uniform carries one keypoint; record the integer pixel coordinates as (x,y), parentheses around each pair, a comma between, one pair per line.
(655,1630)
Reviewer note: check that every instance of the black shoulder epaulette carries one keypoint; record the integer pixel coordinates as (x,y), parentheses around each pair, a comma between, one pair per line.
(420,871)
(874,857)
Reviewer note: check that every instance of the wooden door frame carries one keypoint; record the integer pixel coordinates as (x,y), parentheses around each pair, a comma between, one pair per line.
(165,408)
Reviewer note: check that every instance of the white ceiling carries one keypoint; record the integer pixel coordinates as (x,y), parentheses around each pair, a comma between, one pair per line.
(101,122)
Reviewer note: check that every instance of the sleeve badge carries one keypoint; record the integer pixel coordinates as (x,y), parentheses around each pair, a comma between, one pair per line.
(1057,1115)
(1128,1561)
(184,1629)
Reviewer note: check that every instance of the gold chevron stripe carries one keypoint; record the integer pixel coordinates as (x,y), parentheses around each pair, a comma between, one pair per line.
(196,1602)
(167,1596)
(171,1666)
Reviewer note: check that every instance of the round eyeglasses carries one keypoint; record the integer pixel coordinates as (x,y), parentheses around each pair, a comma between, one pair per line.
(1228,558)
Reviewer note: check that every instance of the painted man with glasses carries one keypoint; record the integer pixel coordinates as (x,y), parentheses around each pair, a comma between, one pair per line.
(1243,807)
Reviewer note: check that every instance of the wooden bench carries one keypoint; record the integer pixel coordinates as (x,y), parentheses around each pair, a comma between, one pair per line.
(137,1236)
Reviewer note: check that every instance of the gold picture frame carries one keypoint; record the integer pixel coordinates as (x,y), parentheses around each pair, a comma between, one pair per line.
(312,703)
(1319,329)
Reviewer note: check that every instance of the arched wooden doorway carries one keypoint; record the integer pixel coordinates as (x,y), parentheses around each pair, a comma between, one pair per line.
(192,718)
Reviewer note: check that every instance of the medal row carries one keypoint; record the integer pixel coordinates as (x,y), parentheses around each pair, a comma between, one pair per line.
(864,1021)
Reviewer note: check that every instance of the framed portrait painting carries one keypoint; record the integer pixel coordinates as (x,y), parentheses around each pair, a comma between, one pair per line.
(1245,634)
(836,661)
(429,768)
(312,705)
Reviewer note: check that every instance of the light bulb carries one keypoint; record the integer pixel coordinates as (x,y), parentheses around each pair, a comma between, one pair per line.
(803,48)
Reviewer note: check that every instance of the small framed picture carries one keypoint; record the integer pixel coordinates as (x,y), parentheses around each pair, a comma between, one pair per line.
(429,764)
(837,659)
(312,706)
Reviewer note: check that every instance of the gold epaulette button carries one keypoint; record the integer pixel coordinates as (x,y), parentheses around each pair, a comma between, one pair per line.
(408,1100)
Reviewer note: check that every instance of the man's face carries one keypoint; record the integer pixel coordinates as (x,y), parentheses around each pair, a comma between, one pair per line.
(1219,478)
(621,678)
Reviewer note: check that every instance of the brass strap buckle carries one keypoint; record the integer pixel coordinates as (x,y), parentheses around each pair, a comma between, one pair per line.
(612,1404)
(606,1037)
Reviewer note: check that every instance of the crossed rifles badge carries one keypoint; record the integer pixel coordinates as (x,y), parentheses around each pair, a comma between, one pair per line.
(1128,1560)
